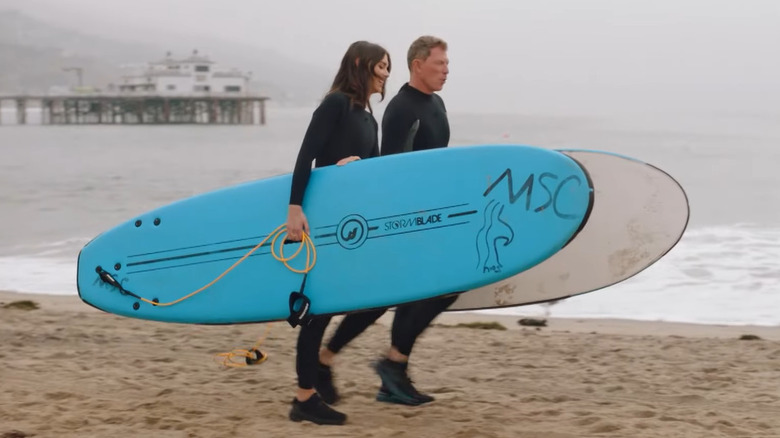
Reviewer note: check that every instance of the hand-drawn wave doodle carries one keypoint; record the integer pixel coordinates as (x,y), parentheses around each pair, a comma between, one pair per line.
(494,230)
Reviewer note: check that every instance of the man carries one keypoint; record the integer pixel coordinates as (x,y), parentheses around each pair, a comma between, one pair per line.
(415,119)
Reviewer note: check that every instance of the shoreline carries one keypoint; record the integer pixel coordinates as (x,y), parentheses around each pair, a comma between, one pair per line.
(72,303)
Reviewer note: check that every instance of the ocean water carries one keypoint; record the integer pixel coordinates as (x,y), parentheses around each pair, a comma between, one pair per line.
(62,185)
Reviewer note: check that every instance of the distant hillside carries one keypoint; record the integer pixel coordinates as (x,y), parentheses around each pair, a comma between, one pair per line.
(33,55)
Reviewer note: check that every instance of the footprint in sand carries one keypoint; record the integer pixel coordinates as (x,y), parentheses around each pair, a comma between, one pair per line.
(687,421)
(15,434)
(582,413)
(114,420)
(765,398)
(164,392)
(189,415)
(551,412)
(587,421)
(644,414)
(410,414)
(59,395)
(605,428)
(691,398)
(563,398)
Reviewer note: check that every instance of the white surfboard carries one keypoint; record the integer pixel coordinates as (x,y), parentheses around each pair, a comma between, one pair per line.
(639,213)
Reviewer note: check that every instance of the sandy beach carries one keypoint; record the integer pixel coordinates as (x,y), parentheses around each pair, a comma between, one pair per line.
(68,370)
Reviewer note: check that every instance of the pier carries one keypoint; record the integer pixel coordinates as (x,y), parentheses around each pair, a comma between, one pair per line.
(140,109)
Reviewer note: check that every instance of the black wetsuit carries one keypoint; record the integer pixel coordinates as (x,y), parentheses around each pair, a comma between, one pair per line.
(408,106)
(337,130)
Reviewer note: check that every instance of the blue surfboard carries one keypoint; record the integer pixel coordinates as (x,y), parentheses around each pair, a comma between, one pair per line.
(386,230)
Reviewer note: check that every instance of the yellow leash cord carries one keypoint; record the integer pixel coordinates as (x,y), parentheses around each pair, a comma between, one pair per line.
(278,236)
(254,356)
(280,231)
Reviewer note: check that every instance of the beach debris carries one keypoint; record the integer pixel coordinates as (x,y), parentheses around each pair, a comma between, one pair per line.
(749,338)
(22,305)
(532,322)
(15,434)
(482,325)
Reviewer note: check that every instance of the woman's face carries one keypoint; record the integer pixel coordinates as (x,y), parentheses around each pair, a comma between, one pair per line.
(380,75)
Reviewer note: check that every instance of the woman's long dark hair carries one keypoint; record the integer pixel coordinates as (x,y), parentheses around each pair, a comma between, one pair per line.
(356,72)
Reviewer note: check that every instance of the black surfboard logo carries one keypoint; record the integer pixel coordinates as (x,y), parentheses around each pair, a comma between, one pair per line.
(494,234)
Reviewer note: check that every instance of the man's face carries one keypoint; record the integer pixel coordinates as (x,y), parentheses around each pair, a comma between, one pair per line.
(433,70)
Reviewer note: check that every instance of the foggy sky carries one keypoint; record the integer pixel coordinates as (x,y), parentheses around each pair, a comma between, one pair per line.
(505,55)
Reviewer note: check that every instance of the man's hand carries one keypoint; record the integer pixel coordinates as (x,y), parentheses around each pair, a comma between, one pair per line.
(344,161)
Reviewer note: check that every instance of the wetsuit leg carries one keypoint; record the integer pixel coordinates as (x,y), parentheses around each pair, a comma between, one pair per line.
(351,326)
(409,323)
(307,359)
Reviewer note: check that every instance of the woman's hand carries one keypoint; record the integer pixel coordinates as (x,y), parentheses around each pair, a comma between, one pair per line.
(296,223)
(344,161)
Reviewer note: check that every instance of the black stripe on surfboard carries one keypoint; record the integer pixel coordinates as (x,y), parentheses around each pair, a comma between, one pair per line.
(203,262)
(403,214)
(258,238)
(199,254)
(266,252)
(392,234)
(323,236)
(187,256)
(206,253)
(463,213)
(247,247)
(418,212)
(419,230)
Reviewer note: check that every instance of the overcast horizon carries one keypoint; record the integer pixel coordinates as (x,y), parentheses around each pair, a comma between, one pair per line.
(505,56)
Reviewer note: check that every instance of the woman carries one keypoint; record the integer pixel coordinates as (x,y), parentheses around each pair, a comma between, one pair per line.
(337,134)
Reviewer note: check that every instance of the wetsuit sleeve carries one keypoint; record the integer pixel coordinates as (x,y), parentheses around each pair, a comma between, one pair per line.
(396,124)
(375,149)
(323,122)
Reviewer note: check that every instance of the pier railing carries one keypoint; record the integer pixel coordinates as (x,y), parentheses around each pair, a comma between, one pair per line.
(141,109)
